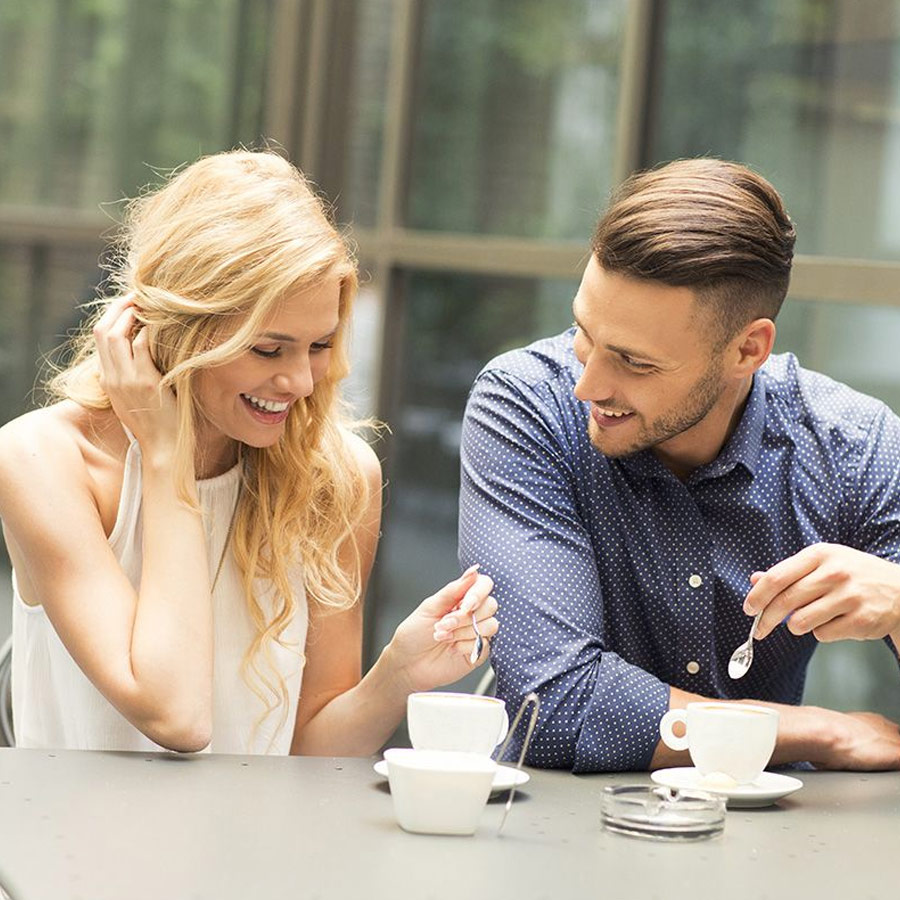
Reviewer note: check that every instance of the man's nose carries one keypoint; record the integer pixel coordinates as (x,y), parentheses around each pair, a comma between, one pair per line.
(595,382)
(297,380)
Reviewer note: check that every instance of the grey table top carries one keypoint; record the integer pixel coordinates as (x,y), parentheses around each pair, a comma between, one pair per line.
(134,826)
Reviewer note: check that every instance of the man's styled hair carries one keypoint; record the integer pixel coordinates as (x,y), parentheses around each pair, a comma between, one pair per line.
(713,226)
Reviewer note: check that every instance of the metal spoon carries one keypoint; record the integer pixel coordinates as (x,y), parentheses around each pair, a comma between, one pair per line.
(742,658)
(479,642)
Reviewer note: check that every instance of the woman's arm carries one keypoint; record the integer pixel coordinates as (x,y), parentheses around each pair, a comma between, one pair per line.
(149,652)
(341,714)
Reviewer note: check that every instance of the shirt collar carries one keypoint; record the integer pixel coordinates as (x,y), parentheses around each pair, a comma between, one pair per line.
(745,444)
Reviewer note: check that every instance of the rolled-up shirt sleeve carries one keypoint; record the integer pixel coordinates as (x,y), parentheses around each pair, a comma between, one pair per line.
(520,519)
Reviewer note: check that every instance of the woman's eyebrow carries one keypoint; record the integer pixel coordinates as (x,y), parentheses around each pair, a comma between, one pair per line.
(283,338)
(278,336)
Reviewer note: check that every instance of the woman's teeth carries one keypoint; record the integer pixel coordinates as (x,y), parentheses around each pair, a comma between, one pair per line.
(266,405)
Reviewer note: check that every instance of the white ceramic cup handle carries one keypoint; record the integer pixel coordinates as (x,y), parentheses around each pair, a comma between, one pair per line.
(504,730)
(670,739)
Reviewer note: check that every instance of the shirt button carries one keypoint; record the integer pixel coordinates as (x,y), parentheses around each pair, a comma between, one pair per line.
(695,581)
(693,667)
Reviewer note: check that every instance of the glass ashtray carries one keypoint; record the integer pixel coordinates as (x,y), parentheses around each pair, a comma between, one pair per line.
(662,813)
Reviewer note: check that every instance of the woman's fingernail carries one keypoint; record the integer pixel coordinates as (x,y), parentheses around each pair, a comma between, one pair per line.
(471,570)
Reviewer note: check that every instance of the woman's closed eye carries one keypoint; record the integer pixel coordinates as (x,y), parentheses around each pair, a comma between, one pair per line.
(266,352)
(271,351)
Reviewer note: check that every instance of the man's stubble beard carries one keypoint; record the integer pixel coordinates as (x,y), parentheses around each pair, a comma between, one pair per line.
(704,394)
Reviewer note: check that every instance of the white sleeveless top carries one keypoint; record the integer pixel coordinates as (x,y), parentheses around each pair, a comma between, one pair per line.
(56,706)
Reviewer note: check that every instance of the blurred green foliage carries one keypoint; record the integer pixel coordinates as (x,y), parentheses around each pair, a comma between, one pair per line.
(97,94)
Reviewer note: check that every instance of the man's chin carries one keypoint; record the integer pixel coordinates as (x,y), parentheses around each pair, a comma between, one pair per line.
(610,448)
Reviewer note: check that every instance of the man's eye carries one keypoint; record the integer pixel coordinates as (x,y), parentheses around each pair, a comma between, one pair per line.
(266,354)
(637,366)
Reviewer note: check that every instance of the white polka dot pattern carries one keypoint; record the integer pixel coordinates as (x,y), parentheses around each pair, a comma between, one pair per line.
(616,580)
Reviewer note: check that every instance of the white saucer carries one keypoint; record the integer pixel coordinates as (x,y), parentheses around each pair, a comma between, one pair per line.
(769,787)
(504,778)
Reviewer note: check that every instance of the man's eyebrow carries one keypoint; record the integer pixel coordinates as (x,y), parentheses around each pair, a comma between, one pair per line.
(615,348)
(635,354)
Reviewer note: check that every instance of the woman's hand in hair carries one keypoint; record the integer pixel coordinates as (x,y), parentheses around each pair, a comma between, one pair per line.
(433,645)
(132,381)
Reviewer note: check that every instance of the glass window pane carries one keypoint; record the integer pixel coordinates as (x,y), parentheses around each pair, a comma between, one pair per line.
(360,386)
(851,342)
(352,150)
(92,95)
(453,325)
(805,91)
(42,289)
(514,121)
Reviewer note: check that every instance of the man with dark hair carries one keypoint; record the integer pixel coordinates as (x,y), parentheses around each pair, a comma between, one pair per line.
(640,485)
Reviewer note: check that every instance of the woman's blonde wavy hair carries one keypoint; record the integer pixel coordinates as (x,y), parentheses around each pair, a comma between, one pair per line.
(207,258)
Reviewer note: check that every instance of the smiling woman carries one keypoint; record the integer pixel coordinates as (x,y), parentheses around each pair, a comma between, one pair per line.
(248,398)
(200,491)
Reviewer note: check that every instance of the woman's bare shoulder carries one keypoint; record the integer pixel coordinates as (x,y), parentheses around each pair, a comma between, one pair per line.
(364,457)
(57,440)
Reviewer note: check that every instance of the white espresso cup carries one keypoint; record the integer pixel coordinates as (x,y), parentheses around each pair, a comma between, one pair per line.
(437,791)
(734,739)
(467,723)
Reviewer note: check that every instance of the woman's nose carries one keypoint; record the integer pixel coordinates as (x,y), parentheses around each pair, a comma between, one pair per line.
(297,380)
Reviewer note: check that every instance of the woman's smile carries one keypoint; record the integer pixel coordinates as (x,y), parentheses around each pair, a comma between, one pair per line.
(268,412)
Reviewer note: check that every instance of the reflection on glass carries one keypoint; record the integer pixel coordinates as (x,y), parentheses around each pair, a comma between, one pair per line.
(453,325)
(805,91)
(92,94)
(359,388)
(513,123)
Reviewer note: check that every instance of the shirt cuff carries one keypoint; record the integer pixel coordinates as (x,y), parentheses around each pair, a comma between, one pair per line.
(621,730)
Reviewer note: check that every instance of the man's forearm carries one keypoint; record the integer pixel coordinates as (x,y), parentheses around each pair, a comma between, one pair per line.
(824,737)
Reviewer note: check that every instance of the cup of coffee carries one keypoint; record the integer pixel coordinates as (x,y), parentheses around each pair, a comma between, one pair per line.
(466,723)
(734,739)
(438,791)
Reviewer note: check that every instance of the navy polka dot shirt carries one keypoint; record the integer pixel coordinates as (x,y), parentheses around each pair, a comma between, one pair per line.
(616,580)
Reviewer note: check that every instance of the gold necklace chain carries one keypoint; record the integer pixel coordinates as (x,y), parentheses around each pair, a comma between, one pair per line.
(228,534)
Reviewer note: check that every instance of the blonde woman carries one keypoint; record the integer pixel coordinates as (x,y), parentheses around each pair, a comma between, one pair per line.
(192,522)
